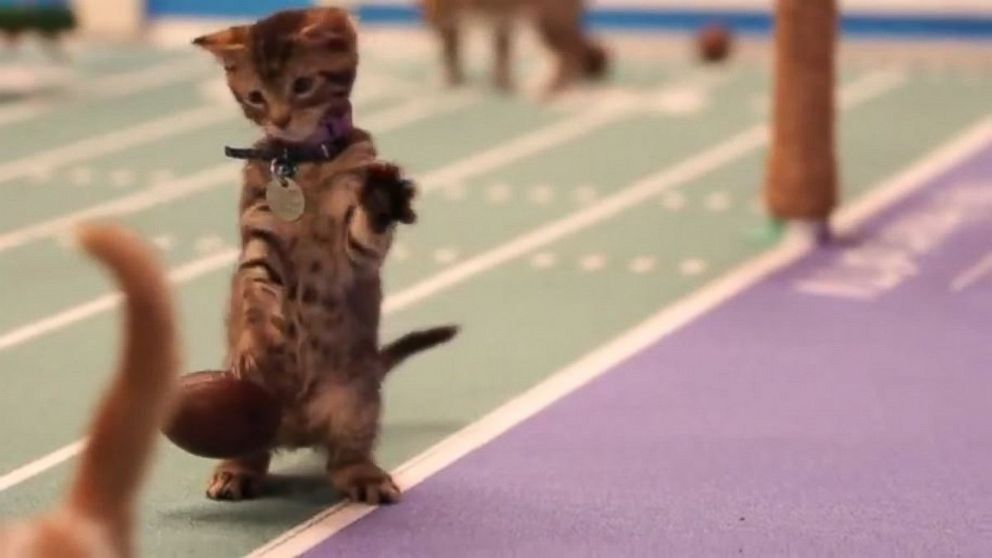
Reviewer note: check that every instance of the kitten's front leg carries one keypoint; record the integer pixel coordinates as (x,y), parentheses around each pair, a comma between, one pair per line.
(384,200)
(257,321)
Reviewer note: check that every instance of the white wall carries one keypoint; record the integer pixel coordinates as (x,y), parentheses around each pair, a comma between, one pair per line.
(914,6)
(115,19)
(929,6)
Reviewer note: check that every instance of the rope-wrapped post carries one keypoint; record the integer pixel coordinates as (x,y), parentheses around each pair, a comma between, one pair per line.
(801,182)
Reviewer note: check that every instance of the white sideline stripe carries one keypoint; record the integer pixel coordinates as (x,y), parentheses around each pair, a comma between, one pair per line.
(108,87)
(971,275)
(384,120)
(125,205)
(606,358)
(750,139)
(111,142)
(20,475)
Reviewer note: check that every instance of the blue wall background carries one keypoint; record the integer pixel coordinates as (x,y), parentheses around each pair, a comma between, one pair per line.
(977,26)
(221,8)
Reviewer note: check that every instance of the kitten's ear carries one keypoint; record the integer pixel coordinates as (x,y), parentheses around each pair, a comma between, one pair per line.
(225,44)
(331,28)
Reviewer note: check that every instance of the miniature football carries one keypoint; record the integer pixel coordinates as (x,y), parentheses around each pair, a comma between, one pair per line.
(714,43)
(220,416)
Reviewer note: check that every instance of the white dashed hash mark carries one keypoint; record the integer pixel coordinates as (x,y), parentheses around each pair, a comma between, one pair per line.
(498,193)
(592,262)
(692,267)
(543,260)
(673,201)
(542,195)
(81,176)
(718,201)
(642,264)
(164,242)
(209,244)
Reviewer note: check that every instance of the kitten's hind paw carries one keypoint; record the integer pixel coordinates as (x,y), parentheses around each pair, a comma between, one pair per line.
(229,485)
(365,483)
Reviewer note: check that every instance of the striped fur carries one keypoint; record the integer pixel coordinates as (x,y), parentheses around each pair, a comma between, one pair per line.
(306,297)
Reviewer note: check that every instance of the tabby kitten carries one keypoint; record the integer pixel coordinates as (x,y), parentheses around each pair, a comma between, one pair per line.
(306,296)
(558,22)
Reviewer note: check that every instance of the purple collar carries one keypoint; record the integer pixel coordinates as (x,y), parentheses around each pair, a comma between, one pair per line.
(333,139)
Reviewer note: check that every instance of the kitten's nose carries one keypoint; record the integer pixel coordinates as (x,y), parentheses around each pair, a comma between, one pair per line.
(281,118)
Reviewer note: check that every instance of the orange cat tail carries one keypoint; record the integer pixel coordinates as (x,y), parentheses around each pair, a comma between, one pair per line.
(127,421)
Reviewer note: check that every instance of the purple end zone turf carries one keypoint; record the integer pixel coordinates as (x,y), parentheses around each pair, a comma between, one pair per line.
(841,407)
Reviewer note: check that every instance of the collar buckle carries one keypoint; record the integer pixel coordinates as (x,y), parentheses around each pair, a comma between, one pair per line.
(283,167)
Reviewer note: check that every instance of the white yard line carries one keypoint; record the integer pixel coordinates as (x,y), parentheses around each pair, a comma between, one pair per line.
(611,108)
(694,167)
(107,87)
(416,110)
(975,273)
(126,205)
(384,120)
(603,109)
(111,142)
(607,357)
(125,138)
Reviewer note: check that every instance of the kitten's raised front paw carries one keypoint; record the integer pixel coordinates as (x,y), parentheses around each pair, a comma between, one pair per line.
(387,196)
(365,483)
(233,485)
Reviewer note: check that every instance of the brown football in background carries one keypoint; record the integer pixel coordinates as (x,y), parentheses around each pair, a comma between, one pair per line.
(219,416)
(714,43)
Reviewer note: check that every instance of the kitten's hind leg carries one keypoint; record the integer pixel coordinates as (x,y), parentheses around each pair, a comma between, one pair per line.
(349,415)
(240,478)
(450,37)
(502,50)
(563,36)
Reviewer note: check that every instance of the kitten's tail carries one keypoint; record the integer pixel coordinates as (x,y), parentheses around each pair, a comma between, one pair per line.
(395,353)
(126,424)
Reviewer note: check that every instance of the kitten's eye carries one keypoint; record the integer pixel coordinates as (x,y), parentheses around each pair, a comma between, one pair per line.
(256,98)
(302,85)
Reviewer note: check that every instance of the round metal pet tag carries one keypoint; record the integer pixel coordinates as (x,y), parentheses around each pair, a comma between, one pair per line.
(285,199)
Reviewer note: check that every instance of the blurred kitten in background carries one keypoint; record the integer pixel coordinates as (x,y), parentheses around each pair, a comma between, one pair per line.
(558,23)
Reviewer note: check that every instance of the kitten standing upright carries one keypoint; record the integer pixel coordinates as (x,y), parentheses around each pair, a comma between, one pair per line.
(97,518)
(558,23)
(306,296)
